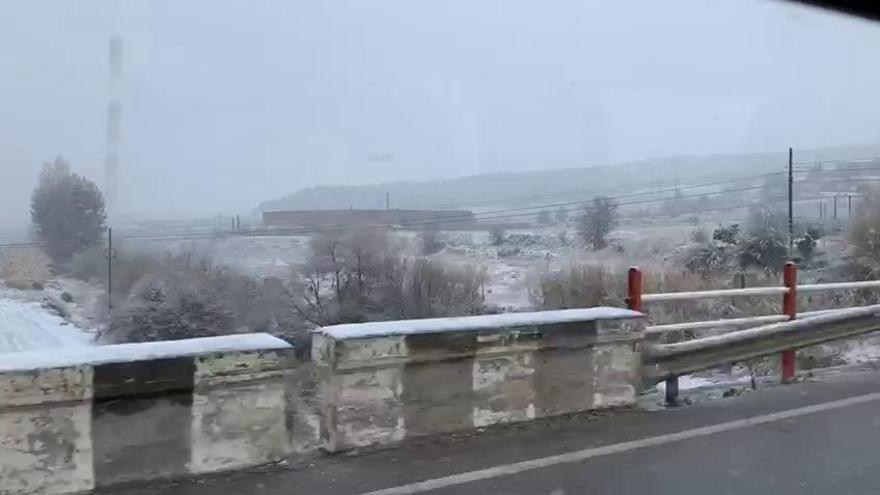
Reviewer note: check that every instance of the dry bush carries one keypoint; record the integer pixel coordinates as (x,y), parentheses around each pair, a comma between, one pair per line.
(577,285)
(665,279)
(191,301)
(183,295)
(24,268)
(128,268)
(864,232)
(433,289)
(496,235)
(131,266)
(362,275)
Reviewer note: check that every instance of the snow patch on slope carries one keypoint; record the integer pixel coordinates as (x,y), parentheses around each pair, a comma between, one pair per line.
(26,326)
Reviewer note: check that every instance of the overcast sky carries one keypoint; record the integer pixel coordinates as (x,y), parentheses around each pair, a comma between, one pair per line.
(230,102)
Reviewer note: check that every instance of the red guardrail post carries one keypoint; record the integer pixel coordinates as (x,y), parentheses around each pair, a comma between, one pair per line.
(634,302)
(789,308)
(634,289)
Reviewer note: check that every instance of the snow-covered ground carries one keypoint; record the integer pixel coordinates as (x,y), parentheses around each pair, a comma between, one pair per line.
(27,325)
(258,256)
(862,351)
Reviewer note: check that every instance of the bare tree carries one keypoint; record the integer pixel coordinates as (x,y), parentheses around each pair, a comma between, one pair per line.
(361,275)
(598,219)
(341,275)
(67,212)
(496,235)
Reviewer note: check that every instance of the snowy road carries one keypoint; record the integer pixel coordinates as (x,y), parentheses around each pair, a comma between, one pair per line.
(26,326)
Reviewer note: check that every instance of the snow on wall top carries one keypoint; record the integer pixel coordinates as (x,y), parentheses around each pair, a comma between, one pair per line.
(468,323)
(120,353)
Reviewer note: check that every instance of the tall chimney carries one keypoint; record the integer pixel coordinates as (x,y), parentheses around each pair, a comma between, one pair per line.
(114,122)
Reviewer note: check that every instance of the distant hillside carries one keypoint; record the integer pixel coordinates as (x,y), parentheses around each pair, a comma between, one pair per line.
(519,188)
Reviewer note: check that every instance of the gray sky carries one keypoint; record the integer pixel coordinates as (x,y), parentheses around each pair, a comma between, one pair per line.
(228,103)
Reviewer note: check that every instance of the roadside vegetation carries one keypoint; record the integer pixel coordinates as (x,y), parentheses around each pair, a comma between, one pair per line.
(370,274)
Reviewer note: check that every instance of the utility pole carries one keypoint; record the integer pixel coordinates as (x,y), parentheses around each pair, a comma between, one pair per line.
(790,202)
(848,206)
(835,207)
(387,201)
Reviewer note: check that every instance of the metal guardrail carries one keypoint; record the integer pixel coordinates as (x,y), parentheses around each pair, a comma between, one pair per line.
(748,321)
(665,361)
(714,294)
(870,284)
(789,292)
(756,291)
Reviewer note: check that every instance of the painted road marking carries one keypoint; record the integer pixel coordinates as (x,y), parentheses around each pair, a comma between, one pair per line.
(580,455)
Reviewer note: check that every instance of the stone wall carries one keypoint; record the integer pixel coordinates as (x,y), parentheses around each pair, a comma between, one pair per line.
(383,382)
(74,420)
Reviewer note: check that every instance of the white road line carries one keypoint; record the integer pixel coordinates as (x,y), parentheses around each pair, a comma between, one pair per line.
(580,455)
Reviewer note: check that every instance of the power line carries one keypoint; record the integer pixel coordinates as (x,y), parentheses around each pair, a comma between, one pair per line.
(629,203)
(848,160)
(731,178)
(838,170)
(457,218)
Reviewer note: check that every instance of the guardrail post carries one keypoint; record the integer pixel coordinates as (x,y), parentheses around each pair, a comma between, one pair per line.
(634,302)
(789,308)
(634,289)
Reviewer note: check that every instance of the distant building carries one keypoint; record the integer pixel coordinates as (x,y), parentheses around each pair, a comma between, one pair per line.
(414,219)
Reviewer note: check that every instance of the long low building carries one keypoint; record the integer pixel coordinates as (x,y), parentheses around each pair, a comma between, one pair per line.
(316,219)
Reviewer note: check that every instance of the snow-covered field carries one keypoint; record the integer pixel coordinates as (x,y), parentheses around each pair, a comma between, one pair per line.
(27,326)
(34,319)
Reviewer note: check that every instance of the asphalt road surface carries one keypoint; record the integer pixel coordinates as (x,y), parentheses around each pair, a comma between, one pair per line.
(819,436)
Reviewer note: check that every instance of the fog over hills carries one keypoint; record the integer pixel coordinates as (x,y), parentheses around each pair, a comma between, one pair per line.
(547,186)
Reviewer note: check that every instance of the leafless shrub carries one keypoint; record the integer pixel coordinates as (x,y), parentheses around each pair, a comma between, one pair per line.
(343,274)
(362,275)
(598,219)
(578,286)
(433,289)
(184,296)
(23,268)
(864,231)
(496,235)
